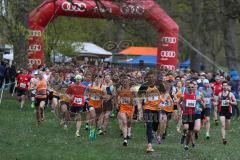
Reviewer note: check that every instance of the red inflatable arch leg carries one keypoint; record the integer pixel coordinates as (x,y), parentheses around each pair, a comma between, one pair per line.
(148,10)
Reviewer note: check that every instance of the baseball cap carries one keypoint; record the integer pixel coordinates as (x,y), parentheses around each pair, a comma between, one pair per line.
(78,77)
(205,81)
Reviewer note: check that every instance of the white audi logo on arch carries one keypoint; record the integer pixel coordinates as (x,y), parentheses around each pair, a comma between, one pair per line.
(170,40)
(170,67)
(168,54)
(75,7)
(35,61)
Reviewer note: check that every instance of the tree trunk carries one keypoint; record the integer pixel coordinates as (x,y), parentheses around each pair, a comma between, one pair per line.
(229,29)
(20,46)
(196,33)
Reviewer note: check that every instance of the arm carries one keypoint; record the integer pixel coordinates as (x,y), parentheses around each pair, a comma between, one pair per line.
(233,100)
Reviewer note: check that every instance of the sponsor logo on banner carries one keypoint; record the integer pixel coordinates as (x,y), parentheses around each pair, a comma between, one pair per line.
(132,9)
(169,40)
(34,48)
(170,67)
(35,33)
(168,54)
(34,61)
(75,7)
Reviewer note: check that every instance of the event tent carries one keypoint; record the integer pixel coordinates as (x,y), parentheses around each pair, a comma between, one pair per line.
(146,59)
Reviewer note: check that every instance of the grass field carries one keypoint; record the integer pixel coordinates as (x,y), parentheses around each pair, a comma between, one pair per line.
(20,140)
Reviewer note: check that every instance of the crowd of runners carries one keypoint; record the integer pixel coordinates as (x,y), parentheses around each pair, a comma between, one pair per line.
(90,94)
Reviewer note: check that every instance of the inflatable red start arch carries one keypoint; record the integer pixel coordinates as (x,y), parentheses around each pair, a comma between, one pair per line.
(147,10)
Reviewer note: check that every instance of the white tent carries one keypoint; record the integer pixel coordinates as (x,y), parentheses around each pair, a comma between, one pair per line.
(90,49)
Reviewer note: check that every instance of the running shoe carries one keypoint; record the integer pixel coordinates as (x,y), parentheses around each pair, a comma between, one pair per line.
(224,141)
(100,132)
(77,134)
(125,142)
(186,148)
(149,149)
(207,136)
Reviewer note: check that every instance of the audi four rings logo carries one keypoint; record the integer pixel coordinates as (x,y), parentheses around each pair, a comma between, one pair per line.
(35,61)
(168,54)
(35,33)
(34,47)
(76,7)
(171,40)
(132,9)
(170,67)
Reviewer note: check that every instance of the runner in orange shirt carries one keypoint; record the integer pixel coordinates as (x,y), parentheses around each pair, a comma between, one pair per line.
(151,108)
(165,107)
(40,98)
(95,105)
(126,108)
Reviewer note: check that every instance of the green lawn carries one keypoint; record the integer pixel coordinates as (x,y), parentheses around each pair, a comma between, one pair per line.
(20,140)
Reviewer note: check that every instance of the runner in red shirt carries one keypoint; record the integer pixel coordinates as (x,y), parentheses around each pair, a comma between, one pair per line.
(76,93)
(22,84)
(217,88)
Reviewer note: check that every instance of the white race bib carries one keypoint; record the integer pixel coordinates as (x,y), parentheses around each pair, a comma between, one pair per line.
(125,100)
(153,98)
(23,85)
(225,102)
(207,101)
(191,103)
(78,101)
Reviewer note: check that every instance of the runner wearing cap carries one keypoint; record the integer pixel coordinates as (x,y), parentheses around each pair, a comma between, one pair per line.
(208,99)
(76,92)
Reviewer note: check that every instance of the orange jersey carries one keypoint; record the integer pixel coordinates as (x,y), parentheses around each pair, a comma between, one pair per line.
(179,95)
(41,91)
(152,99)
(166,103)
(95,96)
(125,97)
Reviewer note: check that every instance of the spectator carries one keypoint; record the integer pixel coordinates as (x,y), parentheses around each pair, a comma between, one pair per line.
(2,73)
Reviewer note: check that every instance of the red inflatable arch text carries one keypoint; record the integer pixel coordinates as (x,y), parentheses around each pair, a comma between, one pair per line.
(148,10)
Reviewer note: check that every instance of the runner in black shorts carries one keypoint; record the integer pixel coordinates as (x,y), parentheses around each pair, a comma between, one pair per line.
(225,101)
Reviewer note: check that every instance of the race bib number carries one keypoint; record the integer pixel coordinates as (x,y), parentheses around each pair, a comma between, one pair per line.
(95,97)
(78,101)
(153,98)
(207,101)
(191,103)
(225,102)
(125,100)
(23,85)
